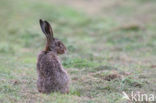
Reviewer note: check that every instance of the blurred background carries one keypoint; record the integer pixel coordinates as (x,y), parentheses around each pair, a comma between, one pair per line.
(111,48)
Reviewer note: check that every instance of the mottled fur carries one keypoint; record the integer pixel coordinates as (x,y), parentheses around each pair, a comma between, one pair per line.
(51,75)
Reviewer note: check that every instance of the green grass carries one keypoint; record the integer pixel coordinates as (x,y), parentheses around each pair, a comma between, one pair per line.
(97,48)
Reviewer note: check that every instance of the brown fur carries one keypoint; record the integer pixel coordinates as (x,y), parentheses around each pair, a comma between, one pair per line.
(51,75)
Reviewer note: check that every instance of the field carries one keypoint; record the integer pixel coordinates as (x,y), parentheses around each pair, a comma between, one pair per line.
(111,49)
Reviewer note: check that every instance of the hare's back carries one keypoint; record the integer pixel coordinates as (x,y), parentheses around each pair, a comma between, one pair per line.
(48,63)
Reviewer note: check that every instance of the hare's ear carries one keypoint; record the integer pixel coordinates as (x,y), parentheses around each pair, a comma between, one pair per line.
(46,28)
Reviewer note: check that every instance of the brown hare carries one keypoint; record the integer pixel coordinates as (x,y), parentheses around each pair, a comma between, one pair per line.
(51,75)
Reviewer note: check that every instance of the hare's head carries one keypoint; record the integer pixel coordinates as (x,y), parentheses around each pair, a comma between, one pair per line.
(53,44)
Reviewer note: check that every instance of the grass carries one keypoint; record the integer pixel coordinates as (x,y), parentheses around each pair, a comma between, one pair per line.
(97,47)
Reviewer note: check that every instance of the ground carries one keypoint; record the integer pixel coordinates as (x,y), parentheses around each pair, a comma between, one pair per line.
(111,48)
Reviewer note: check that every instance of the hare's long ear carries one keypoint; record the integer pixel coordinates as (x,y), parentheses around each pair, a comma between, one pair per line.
(47,30)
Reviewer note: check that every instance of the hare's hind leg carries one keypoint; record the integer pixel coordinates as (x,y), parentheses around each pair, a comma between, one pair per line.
(65,90)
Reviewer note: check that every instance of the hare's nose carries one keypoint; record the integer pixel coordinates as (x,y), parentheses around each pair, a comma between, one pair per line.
(65,51)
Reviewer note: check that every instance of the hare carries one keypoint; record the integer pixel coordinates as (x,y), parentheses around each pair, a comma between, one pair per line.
(51,75)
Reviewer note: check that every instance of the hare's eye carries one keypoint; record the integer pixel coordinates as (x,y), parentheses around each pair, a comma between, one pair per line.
(59,44)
